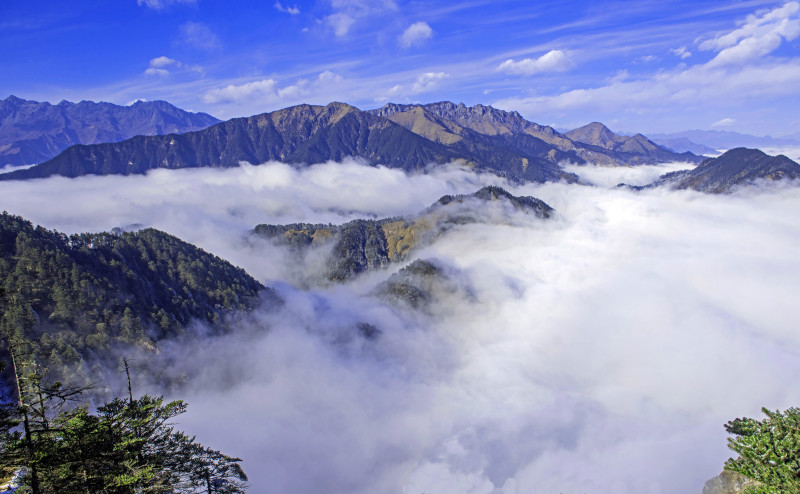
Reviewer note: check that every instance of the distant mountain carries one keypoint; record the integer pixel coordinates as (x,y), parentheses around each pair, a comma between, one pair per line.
(33,132)
(722,139)
(80,299)
(364,245)
(515,131)
(633,150)
(683,144)
(301,135)
(737,167)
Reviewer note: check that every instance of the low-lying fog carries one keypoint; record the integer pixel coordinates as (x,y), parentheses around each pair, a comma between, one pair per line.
(598,351)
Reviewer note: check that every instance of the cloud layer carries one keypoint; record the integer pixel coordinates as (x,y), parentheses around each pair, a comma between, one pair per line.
(598,351)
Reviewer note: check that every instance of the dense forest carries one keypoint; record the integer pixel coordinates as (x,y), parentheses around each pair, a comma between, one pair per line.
(76,297)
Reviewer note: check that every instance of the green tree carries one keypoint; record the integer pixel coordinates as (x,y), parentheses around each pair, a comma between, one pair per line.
(769,451)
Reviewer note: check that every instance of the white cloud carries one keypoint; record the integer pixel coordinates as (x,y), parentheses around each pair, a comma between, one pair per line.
(428,82)
(716,82)
(199,35)
(156,72)
(552,61)
(347,12)
(340,23)
(725,122)
(293,10)
(625,330)
(758,36)
(269,91)
(250,90)
(416,34)
(158,66)
(162,4)
(162,61)
(681,52)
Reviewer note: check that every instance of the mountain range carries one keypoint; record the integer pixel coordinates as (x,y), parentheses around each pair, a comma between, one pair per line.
(725,139)
(408,137)
(32,132)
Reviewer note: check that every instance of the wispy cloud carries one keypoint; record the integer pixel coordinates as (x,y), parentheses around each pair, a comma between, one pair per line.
(293,10)
(425,82)
(199,35)
(162,4)
(725,122)
(269,90)
(759,35)
(681,52)
(416,34)
(740,71)
(347,12)
(552,61)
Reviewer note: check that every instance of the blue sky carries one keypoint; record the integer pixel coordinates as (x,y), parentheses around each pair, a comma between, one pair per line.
(638,66)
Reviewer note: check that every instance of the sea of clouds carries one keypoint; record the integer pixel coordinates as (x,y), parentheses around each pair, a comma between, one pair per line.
(597,351)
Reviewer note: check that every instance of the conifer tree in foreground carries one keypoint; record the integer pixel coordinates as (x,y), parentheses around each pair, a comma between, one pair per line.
(127,447)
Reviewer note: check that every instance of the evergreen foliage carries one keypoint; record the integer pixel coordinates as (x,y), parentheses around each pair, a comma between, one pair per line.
(74,298)
(769,451)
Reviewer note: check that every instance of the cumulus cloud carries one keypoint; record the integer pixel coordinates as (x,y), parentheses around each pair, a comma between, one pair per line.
(162,4)
(416,34)
(428,82)
(199,35)
(293,10)
(162,61)
(759,35)
(159,66)
(269,91)
(552,61)
(601,350)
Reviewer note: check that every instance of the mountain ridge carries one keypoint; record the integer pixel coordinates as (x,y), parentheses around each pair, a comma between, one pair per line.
(301,135)
(32,132)
(734,168)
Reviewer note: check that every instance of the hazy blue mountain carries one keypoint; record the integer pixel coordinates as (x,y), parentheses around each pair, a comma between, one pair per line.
(512,131)
(363,245)
(683,144)
(735,168)
(724,139)
(33,132)
(300,135)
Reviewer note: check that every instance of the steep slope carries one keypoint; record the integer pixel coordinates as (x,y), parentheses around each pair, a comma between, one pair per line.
(512,126)
(364,245)
(302,134)
(33,132)
(78,298)
(735,168)
(631,150)
(515,155)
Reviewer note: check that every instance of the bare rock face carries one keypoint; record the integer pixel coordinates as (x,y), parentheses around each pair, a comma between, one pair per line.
(728,483)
